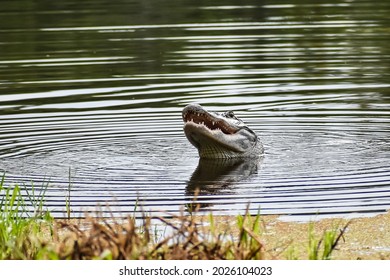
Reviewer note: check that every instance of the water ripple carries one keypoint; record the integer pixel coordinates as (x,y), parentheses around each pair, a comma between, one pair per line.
(91,106)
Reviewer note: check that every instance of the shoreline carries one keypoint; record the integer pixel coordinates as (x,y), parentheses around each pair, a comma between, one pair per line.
(365,238)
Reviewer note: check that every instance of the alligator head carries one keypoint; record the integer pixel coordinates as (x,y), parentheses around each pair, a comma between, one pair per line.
(219,135)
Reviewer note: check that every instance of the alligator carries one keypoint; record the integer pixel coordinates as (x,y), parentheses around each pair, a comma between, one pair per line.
(219,135)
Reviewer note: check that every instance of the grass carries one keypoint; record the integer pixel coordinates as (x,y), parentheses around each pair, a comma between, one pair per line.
(68,196)
(39,236)
(124,239)
(322,248)
(20,232)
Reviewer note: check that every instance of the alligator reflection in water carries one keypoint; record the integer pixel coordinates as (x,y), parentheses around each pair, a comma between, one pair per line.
(217,177)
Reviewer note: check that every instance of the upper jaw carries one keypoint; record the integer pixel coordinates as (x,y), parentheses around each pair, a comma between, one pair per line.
(213,121)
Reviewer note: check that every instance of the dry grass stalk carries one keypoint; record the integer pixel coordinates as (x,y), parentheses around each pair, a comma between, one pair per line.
(123,239)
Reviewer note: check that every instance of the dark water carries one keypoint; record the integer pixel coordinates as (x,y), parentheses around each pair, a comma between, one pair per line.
(93,91)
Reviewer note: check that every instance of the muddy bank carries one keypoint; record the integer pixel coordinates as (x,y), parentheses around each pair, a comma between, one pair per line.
(364,238)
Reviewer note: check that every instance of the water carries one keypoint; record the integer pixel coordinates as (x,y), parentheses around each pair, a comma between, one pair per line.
(91,94)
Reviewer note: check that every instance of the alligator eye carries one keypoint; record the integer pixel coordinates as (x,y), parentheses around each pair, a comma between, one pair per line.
(229,114)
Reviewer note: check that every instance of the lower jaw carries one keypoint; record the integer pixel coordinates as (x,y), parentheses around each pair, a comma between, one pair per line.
(217,154)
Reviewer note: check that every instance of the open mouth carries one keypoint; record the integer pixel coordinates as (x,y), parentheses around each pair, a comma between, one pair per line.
(208,121)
